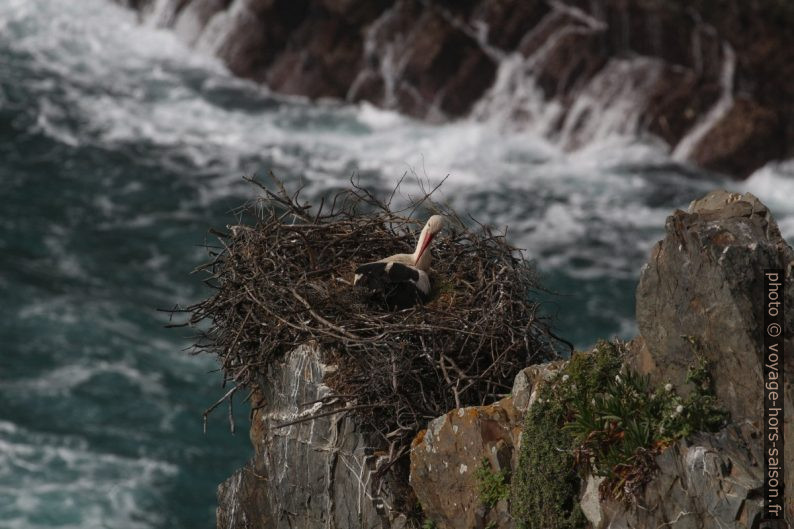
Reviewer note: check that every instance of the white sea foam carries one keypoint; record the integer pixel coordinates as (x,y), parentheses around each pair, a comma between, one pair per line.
(774,185)
(104,82)
(64,379)
(44,476)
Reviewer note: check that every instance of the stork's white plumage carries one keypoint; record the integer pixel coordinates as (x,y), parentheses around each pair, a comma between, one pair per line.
(402,278)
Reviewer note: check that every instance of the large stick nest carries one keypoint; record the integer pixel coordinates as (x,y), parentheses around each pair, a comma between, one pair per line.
(285,280)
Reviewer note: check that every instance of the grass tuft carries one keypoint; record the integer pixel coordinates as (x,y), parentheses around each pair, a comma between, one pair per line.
(492,485)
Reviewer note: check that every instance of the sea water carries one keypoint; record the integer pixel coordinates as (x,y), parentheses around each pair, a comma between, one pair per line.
(120,147)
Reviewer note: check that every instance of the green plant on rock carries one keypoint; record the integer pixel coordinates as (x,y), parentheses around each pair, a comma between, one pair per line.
(618,432)
(546,483)
(703,412)
(429,524)
(596,418)
(492,486)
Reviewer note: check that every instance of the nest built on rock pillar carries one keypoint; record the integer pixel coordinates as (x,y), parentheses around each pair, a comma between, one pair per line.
(284,279)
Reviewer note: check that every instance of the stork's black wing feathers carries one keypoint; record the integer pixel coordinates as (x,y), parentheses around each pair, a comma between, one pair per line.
(395,272)
(394,281)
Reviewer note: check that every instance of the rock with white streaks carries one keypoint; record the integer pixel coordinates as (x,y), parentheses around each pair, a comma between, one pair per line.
(308,475)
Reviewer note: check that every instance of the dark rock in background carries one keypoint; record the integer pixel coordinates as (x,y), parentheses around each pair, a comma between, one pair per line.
(704,285)
(739,140)
(714,80)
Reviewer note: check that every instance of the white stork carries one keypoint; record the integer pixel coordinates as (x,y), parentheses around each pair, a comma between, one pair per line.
(402,278)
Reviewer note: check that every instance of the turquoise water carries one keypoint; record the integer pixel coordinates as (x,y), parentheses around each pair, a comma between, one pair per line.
(119,148)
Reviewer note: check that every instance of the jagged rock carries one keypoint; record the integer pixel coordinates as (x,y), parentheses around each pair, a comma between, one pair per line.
(709,481)
(711,82)
(322,59)
(426,66)
(528,382)
(704,283)
(242,500)
(445,457)
(702,293)
(308,475)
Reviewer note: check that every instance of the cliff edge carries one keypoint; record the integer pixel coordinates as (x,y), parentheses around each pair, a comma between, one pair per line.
(686,393)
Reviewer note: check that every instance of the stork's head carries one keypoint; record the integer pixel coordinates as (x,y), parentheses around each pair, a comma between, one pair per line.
(421,256)
(435,224)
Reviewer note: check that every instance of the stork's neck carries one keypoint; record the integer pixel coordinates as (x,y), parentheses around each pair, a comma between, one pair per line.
(422,262)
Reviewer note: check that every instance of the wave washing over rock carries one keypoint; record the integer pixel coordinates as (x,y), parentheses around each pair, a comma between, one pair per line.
(710,80)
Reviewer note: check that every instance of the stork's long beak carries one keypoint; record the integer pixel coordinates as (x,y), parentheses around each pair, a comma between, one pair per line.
(424,246)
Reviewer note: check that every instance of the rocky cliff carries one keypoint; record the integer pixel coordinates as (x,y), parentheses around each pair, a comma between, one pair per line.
(698,298)
(702,285)
(713,80)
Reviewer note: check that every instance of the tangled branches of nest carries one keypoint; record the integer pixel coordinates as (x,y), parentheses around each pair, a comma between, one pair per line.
(286,280)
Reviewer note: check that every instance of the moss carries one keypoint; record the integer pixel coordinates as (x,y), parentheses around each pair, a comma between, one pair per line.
(492,486)
(544,489)
(546,484)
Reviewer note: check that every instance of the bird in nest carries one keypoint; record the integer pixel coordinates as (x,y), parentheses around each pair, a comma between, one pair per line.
(402,279)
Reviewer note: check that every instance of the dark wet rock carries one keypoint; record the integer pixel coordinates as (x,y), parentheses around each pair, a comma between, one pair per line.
(427,66)
(572,63)
(322,60)
(507,23)
(743,139)
(441,60)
